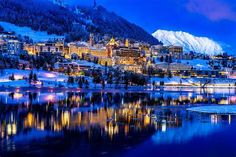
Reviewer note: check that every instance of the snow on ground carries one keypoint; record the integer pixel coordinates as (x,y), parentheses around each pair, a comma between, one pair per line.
(41,74)
(50,78)
(170,81)
(55,79)
(88,64)
(199,64)
(26,31)
(214,109)
(214,82)
(16,83)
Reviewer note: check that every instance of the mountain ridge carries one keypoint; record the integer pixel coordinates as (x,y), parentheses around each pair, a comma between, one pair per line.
(189,42)
(44,15)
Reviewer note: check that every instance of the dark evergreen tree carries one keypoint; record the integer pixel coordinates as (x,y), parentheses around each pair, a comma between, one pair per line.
(170,59)
(169,74)
(80,82)
(103,84)
(162,59)
(44,15)
(30,76)
(35,78)
(167,59)
(12,77)
(86,84)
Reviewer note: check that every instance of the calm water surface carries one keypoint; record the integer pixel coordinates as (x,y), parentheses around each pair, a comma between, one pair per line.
(115,124)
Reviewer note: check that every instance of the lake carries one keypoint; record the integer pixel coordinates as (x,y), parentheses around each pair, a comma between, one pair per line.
(115,123)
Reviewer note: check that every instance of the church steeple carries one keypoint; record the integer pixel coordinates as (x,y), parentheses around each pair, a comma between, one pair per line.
(126,43)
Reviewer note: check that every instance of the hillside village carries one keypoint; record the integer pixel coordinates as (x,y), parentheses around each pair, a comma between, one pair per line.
(109,62)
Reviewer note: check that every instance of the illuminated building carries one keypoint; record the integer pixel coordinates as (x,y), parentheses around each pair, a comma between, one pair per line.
(175,50)
(53,47)
(99,52)
(63,66)
(113,42)
(174,67)
(14,46)
(91,39)
(3,45)
(126,43)
(134,68)
(78,48)
(129,59)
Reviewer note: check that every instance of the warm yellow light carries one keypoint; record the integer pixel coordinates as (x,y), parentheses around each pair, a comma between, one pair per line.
(65,118)
(8,129)
(147,120)
(18,95)
(30,119)
(14,129)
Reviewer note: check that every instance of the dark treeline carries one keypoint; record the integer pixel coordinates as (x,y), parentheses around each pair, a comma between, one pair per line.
(76,23)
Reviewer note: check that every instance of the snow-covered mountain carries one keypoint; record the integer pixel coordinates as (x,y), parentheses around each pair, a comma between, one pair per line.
(189,42)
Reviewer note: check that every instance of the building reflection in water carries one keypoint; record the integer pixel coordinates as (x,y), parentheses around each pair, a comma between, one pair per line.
(106,115)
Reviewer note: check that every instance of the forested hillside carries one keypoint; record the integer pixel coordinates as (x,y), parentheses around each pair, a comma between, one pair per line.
(75,24)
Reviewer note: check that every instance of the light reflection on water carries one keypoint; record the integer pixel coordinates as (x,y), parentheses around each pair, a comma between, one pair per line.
(103,123)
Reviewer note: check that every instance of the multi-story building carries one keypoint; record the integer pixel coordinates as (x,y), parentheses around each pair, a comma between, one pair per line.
(133,68)
(106,61)
(174,67)
(30,48)
(99,52)
(176,51)
(3,45)
(78,48)
(129,58)
(157,49)
(53,47)
(14,46)
(50,47)
(63,66)
(8,35)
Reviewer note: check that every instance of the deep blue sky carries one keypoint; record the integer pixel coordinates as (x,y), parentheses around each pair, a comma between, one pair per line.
(215,19)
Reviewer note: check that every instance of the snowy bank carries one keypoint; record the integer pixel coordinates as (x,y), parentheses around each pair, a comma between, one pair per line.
(47,77)
(26,31)
(214,109)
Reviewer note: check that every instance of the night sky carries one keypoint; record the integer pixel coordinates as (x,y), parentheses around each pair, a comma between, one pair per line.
(215,19)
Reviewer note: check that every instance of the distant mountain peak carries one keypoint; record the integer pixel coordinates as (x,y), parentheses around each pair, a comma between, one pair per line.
(189,42)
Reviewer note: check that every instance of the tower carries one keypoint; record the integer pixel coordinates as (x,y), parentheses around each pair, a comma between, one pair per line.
(126,43)
(91,39)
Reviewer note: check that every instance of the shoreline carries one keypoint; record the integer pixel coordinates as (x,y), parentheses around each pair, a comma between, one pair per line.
(115,90)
